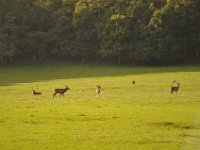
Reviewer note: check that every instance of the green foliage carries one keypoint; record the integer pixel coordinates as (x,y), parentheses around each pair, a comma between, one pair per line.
(85,31)
(113,38)
(155,31)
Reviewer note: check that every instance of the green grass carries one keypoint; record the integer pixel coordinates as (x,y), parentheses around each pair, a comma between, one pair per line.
(123,117)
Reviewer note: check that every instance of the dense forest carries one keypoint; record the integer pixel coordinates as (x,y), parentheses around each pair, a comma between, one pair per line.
(131,31)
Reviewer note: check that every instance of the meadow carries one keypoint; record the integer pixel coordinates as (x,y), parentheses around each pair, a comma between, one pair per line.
(144,116)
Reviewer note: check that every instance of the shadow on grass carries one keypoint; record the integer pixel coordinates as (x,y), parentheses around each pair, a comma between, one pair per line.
(155,142)
(10,75)
(172,125)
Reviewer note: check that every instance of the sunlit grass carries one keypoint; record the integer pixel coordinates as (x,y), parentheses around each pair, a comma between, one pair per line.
(124,116)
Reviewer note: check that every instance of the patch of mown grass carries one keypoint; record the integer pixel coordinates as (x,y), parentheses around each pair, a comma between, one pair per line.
(124,116)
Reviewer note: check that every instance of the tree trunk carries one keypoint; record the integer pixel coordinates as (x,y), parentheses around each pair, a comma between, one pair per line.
(63,57)
(197,53)
(83,60)
(2,61)
(11,59)
(119,59)
(99,12)
(99,15)
(34,58)
(184,46)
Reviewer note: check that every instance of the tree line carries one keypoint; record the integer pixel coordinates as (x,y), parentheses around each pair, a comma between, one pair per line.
(133,31)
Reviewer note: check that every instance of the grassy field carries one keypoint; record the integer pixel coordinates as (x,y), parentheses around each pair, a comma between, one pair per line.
(123,117)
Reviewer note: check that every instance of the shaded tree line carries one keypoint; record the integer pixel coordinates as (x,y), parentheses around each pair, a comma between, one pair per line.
(133,31)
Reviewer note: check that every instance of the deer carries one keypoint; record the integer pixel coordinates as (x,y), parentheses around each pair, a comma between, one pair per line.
(98,89)
(175,88)
(61,91)
(36,93)
(133,82)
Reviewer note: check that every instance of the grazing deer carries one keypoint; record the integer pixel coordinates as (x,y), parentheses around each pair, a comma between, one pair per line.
(133,82)
(175,88)
(36,93)
(61,91)
(98,89)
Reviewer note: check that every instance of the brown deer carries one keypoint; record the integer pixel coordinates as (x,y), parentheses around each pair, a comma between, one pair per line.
(133,82)
(36,93)
(175,88)
(98,89)
(61,91)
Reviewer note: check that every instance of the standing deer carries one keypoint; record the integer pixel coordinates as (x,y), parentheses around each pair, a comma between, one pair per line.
(175,88)
(36,93)
(61,91)
(98,89)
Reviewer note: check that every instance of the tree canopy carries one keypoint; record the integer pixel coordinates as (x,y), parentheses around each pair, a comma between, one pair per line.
(131,31)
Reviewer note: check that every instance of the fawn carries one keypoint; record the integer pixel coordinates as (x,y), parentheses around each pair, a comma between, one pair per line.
(98,89)
(175,88)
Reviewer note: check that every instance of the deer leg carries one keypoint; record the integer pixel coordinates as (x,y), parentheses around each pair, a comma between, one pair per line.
(53,95)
